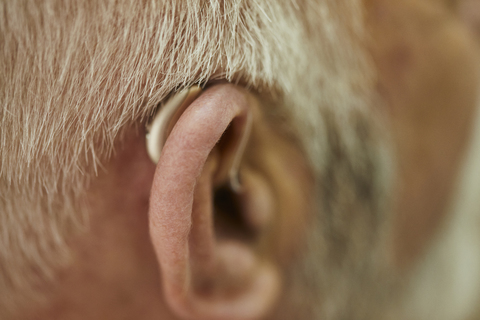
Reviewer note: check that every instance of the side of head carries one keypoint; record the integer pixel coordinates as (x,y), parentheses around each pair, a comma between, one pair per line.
(361,119)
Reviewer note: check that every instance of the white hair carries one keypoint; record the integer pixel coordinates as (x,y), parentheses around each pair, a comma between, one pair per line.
(74,74)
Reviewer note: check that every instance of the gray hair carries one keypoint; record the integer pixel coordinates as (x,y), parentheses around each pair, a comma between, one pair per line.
(74,74)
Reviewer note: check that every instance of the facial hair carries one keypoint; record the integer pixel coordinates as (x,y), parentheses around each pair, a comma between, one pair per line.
(344,271)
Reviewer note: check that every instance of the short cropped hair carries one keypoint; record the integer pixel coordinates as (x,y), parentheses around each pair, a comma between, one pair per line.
(75,74)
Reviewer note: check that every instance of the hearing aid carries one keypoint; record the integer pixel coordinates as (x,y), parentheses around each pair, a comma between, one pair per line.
(167,116)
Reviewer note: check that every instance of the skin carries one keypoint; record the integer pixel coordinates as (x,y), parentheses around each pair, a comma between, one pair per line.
(427,68)
(427,76)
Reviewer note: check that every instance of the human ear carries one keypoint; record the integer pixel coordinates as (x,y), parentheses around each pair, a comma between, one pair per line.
(207,271)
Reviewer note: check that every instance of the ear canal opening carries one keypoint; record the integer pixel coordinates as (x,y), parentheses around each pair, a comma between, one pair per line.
(229,218)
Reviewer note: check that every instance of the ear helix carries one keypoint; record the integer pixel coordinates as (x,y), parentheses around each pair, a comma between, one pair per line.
(167,116)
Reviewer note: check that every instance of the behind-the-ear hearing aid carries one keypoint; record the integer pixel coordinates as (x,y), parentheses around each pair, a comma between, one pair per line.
(166,118)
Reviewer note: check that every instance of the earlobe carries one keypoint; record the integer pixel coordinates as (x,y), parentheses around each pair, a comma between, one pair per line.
(205,277)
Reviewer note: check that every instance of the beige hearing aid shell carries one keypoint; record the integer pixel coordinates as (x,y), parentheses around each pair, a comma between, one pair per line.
(165,119)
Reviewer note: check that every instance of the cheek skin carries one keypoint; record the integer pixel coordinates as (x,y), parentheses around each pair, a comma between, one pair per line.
(427,75)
